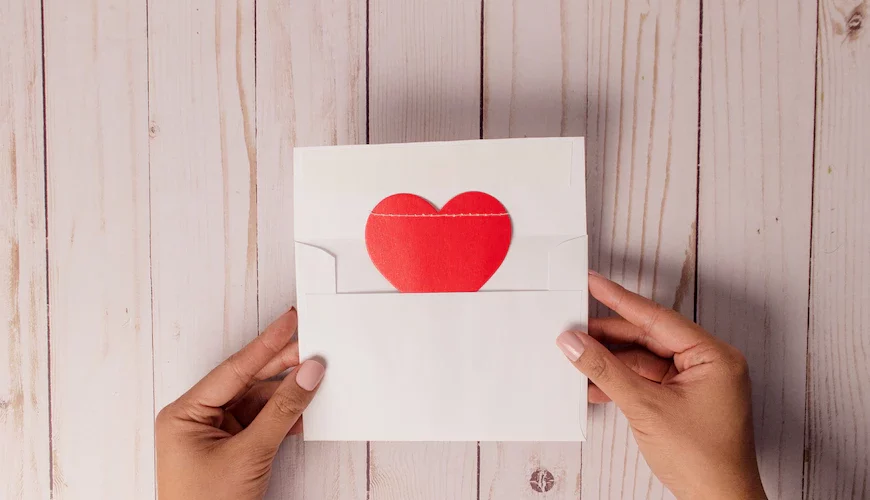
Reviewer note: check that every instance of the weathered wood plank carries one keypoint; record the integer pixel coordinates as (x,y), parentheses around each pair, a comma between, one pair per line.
(838,405)
(310,92)
(424,85)
(24,427)
(98,231)
(534,86)
(755,197)
(424,73)
(203,187)
(642,134)
(423,471)
(534,71)
(530,470)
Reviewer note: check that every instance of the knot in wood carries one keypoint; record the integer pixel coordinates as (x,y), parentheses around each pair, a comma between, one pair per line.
(855,22)
(542,480)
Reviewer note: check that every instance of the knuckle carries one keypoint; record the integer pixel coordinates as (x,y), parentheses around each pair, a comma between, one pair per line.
(658,314)
(289,403)
(269,345)
(597,369)
(738,365)
(619,295)
(703,353)
(291,357)
(653,319)
(234,364)
(163,421)
(730,362)
(163,416)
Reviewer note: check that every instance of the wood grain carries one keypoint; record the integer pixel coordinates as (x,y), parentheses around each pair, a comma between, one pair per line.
(642,133)
(203,188)
(24,411)
(424,85)
(534,71)
(530,471)
(401,471)
(310,92)
(534,86)
(838,397)
(424,70)
(98,219)
(755,197)
(624,73)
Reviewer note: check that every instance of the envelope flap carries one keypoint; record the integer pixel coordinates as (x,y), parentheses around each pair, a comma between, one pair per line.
(569,265)
(315,270)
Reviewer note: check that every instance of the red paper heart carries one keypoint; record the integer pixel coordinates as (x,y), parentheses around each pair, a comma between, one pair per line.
(420,249)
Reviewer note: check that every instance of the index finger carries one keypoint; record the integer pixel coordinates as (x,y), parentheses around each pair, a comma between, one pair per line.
(665,326)
(237,373)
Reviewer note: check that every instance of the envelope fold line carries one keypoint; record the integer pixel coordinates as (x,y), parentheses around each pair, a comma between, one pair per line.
(318,274)
(568,265)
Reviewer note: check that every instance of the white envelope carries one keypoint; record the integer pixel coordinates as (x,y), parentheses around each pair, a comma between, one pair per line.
(479,366)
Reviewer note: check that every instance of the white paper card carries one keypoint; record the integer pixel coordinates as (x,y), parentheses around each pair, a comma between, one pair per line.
(479,366)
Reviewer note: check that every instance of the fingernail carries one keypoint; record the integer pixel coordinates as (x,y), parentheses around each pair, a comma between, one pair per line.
(309,374)
(570,345)
(593,273)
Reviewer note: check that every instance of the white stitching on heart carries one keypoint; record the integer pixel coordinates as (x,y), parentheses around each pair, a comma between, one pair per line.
(439,215)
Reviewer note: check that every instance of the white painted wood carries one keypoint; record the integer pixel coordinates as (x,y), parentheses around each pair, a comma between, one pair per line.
(424,85)
(534,71)
(24,427)
(755,196)
(335,471)
(642,134)
(534,85)
(98,257)
(424,70)
(310,92)
(641,123)
(400,471)
(530,471)
(203,187)
(838,398)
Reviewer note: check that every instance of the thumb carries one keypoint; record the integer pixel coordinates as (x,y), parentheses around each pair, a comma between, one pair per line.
(286,405)
(605,370)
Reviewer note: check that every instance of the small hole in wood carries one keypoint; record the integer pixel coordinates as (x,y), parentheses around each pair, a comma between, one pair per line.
(542,480)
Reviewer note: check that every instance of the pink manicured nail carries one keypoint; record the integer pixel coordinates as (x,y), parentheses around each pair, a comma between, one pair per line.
(593,273)
(570,345)
(309,374)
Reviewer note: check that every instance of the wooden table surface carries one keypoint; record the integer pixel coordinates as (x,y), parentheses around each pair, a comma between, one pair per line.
(146,212)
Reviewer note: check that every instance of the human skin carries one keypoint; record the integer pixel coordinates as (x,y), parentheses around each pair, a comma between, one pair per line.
(685,393)
(219,439)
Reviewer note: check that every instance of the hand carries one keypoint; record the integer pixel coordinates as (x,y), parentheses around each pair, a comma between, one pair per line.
(685,393)
(218,440)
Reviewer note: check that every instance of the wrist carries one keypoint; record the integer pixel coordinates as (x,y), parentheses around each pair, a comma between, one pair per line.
(757,492)
(746,489)
(727,483)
